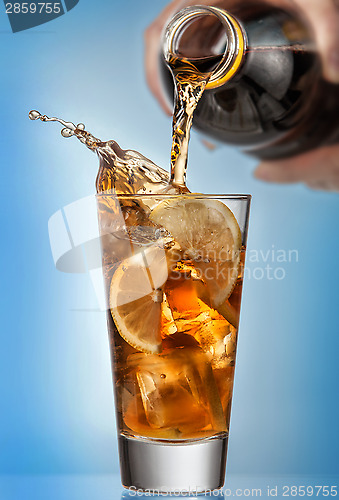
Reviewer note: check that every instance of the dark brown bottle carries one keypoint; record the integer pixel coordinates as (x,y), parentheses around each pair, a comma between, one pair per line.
(267,95)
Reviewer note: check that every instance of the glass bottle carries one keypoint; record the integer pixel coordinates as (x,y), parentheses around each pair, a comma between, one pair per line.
(266,93)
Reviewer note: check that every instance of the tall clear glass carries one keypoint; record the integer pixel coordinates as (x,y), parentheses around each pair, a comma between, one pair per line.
(173,269)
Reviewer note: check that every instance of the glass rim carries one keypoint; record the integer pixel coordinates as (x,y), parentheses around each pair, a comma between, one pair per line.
(165,196)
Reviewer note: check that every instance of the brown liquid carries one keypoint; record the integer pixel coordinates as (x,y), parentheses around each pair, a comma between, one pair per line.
(185,390)
(120,171)
(191,77)
(129,172)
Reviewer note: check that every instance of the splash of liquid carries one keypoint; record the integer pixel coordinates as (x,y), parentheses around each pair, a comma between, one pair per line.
(129,172)
(121,171)
(69,129)
(190,84)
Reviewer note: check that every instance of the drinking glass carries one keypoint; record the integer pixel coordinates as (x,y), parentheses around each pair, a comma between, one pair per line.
(173,271)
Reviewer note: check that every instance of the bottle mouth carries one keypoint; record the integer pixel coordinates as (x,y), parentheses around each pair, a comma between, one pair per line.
(230,46)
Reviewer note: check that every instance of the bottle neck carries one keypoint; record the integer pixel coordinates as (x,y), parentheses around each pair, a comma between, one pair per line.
(235,40)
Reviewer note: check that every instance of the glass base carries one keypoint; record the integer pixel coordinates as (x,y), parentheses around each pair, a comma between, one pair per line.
(186,466)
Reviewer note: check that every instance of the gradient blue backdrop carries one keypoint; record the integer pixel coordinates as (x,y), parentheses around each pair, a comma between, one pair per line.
(56,396)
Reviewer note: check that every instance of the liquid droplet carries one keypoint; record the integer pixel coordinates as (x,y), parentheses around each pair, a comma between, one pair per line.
(34,115)
(67,132)
(69,129)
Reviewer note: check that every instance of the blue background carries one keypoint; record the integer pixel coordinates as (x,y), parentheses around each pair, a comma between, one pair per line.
(57,412)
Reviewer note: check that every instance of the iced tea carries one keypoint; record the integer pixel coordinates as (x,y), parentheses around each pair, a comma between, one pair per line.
(174,314)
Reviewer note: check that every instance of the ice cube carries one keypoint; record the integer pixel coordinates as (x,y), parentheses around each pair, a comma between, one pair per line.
(135,422)
(178,391)
(219,338)
(224,380)
(194,316)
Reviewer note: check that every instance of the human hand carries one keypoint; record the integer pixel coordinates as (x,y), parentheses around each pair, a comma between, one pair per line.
(323,16)
(319,169)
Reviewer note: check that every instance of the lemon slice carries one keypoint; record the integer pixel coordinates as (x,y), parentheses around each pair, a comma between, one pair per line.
(136,299)
(209,235)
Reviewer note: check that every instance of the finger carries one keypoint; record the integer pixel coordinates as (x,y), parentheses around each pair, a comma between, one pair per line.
(318,167)
(282,171)
(152,40)
(324,17)
(321,185)
(289,170)
(152,70)
(208,144)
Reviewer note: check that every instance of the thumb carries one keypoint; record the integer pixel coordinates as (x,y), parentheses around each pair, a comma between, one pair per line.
(283,171)
(318,167)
